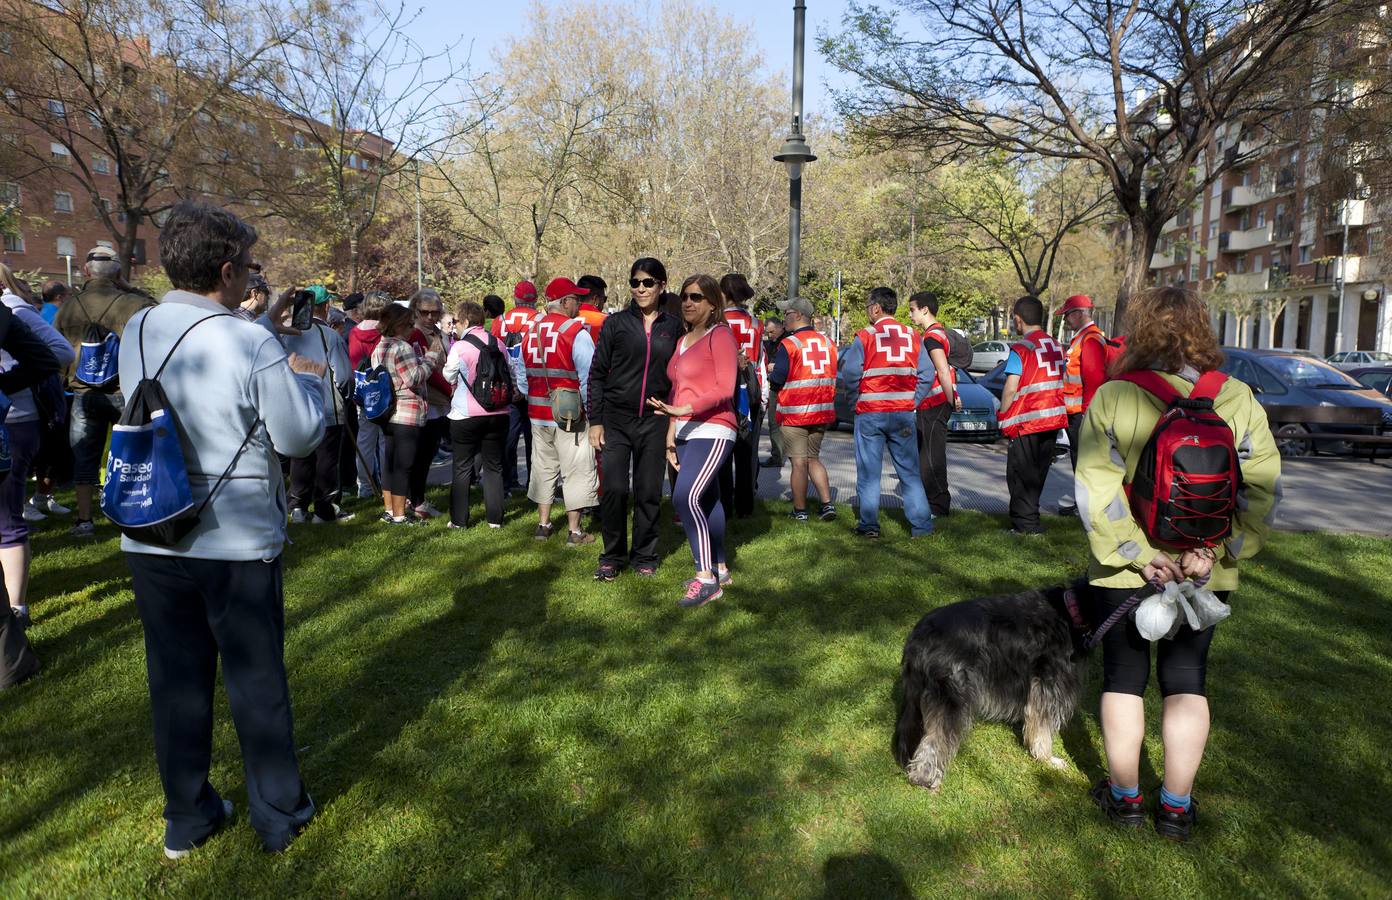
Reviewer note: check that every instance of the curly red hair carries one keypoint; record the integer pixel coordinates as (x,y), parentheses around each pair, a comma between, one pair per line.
(1169,329)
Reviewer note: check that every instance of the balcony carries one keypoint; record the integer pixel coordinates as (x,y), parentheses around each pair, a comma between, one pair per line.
(1251,239)
(1247,282)
(1246,195)
(1244,153)
(1357,216)
(1162,259)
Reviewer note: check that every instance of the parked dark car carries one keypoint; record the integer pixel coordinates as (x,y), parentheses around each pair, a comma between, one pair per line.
(975,422)
(994,380)
(1279,378)
(1376,378)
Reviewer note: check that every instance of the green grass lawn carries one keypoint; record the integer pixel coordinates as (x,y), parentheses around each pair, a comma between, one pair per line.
(477,716)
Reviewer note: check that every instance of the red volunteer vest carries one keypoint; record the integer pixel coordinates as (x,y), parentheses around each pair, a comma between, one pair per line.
(937,396)
(517,320)
(1038,404)
(593,317)
(749,332)
(808,396)
(1073,375)
(548,354)
(891,367)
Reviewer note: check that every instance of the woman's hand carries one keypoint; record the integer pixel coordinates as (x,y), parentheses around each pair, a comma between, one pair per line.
(1197,564)
(672,458)
(597,437)
(1163,568)
(666,409)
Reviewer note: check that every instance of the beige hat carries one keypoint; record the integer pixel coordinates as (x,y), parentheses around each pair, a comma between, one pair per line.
(798,304)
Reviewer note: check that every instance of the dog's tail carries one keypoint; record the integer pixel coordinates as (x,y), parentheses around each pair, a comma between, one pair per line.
(908,731)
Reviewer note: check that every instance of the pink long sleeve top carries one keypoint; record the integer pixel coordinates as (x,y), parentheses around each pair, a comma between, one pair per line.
(703,375)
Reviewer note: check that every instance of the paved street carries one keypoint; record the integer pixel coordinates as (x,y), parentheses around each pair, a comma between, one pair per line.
(1320,494)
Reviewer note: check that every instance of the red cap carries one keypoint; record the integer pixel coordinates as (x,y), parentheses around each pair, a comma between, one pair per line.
(1077,301)
(557,288)
(525,290)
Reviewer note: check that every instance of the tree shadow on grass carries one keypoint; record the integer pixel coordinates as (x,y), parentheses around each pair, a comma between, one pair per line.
(863,875)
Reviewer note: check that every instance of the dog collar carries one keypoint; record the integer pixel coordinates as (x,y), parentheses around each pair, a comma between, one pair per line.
(1070,600)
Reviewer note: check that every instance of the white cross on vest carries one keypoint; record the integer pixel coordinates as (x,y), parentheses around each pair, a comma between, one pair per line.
(816,357)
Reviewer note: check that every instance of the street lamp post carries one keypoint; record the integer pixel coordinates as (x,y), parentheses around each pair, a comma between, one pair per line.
(795,153)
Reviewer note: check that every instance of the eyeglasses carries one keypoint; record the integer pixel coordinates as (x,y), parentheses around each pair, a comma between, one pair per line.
(642,282)
(693,296)
(433,312)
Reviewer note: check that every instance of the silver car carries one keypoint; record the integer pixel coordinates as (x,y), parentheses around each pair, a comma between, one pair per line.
(1359,359)
(988,354)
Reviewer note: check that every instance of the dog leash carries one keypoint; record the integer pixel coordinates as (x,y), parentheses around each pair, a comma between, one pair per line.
(1153,587)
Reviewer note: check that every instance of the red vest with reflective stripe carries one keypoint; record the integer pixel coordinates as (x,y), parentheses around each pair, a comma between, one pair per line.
(937,396)
(548,354)
(1038,404)
(891,367)
(517,320)
(749,332)
(1073,375)
(808,397)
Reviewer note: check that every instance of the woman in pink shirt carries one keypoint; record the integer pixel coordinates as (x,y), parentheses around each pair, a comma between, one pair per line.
(474,431)
(702,430)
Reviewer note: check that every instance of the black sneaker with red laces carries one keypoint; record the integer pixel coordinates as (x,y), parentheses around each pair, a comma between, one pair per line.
(1128,812)
(1175,824)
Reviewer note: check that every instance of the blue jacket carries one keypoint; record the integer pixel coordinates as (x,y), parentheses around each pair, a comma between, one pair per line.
(227,378)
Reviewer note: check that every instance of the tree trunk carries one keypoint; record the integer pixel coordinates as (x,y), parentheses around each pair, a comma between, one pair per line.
(126,242)
(1145,234)
(352,265)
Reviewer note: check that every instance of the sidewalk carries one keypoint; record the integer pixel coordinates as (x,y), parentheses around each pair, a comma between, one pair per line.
(1319,494)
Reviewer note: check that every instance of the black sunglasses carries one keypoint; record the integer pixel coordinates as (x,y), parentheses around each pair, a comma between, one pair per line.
(642,282)
(693,296)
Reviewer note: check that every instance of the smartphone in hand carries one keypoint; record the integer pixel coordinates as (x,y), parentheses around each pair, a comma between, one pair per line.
(302,315)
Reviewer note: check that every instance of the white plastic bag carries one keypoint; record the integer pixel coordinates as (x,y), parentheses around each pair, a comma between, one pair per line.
(1159,616)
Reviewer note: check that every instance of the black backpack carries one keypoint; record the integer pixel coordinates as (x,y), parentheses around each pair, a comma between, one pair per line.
(492,384)
(959,349)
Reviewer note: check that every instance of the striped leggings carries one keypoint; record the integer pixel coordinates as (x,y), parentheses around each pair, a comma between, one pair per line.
(696,496)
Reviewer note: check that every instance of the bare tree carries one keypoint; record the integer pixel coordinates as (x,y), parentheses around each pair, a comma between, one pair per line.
(1137,88)
(118,89)
(364,105)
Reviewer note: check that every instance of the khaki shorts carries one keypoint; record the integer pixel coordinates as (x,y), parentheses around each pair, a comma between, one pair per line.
(802,441)
(567,457)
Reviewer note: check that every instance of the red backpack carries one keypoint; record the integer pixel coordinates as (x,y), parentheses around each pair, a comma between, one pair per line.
(1185,487)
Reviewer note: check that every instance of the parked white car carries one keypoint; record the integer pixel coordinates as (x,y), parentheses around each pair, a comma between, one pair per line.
(989,354)
(1358,359)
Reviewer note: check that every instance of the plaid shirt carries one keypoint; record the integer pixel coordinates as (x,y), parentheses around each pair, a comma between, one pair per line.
(409,373)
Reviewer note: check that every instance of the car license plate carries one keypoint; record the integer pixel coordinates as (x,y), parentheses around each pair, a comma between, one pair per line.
(968,426)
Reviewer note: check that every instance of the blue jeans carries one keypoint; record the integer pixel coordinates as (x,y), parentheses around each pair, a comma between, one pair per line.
(897,431)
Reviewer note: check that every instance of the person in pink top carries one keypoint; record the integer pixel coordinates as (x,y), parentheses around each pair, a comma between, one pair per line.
(702,430)
(474,431)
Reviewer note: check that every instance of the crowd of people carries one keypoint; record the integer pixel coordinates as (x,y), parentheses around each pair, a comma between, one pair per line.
(603,408)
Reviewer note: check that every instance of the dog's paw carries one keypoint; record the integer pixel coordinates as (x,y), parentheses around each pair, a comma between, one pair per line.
(928,783)
(1058,762)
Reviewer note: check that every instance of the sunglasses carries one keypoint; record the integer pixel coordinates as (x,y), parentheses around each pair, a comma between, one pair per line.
(642,282)
(693,296)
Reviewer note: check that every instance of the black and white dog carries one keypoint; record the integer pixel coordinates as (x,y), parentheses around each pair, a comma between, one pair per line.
(1014,658)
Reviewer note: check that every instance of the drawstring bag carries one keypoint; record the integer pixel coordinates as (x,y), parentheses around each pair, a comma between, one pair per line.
(98,356)
(1160,616)
(147,492)
(373,391)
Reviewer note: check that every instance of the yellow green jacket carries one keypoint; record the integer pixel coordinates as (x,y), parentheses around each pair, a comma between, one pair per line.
(1115,429)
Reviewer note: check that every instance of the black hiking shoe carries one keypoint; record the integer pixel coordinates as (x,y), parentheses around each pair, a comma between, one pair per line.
(1129,813)
(1174,824)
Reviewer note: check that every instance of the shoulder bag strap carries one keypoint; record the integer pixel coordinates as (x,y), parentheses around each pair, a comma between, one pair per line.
(1152,383)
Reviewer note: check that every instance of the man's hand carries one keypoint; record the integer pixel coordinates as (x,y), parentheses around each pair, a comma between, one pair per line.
(278,311)
(303,365)
(597,437)
(1164,568)
(743,360)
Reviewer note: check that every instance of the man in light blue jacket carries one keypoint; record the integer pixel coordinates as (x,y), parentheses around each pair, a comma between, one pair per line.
(218,592)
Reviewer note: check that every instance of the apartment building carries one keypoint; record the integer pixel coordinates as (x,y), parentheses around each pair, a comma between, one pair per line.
(1285,264)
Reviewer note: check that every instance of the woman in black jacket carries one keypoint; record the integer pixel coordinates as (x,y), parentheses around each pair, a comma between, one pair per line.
(629,366)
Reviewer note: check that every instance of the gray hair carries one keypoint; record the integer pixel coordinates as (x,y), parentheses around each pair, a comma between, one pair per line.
(103,268)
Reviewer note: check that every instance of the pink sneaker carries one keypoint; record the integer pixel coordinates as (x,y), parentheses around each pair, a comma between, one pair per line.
(699,594)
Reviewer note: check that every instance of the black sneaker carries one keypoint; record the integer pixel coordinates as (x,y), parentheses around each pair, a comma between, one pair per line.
(1129,813)
(862,531)
(606,572)
(1175,824)
(799,515)
(827,512)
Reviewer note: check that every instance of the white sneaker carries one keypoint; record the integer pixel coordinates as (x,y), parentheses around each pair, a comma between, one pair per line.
(339,516)
(46,503)
(426,511)
(297,517)
(180,854)
(32,513)
(82,529)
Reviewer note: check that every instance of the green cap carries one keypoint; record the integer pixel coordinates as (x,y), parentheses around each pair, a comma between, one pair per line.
(321,294)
